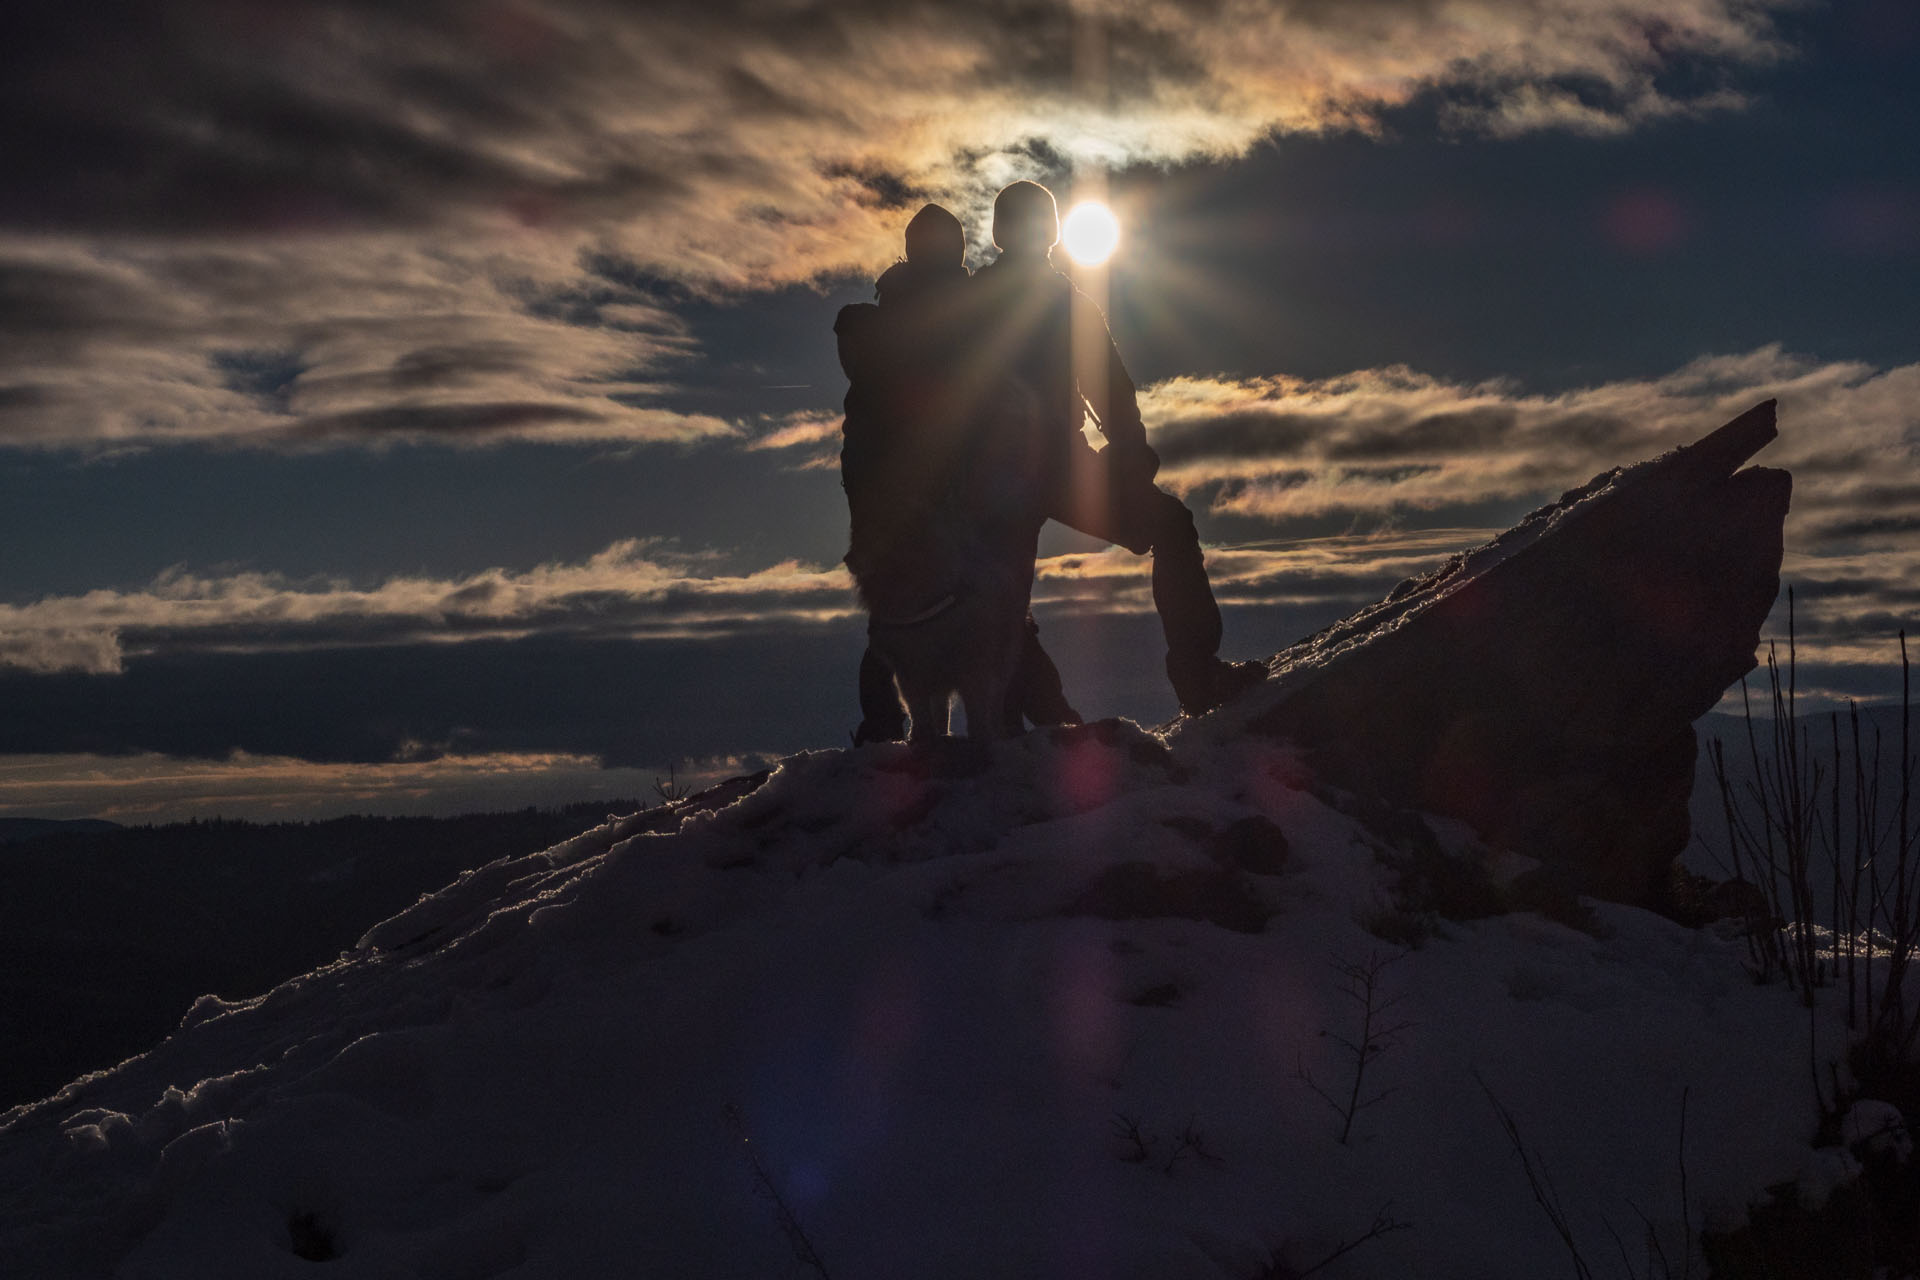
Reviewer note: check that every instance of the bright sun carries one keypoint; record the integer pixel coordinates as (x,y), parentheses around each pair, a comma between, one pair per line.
(1091,233)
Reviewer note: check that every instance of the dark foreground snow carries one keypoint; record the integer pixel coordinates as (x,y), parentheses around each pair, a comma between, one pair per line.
(935,1008)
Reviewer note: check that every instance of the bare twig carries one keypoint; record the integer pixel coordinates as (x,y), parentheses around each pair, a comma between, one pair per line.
(1796,808)
(1384,1224)
(1378,1033)
(1537,1181)
(1658,1265)
(1191,1142)
(671,791)
(1139,1142)
(1686,1203)
(769,1190)
(1140,1145)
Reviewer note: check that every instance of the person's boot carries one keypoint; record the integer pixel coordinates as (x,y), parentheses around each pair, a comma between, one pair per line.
(1037,693)
(883,718)
(881,729)
(1204,682)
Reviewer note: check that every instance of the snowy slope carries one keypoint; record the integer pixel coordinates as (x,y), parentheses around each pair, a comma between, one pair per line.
(935,997)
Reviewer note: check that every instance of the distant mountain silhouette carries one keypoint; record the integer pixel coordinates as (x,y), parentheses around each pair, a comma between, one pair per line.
(18,830)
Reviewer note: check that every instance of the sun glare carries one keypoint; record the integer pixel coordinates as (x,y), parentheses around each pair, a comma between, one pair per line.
(1091,233)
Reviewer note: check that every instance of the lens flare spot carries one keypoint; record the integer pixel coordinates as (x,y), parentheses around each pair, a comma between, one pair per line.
(1088,777)
(1091,233)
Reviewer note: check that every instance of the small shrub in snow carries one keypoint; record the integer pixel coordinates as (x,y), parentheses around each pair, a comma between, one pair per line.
(1361,983)
(1431,883)
(1190,1143)
(670,789)
(1135,1144)
(1253,844)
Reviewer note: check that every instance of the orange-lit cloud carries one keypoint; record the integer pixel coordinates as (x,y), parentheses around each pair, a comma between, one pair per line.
(1385,441)
(734,141)
(812,440)
(343,223)
(1391,448)
(631,589)
(1404,454)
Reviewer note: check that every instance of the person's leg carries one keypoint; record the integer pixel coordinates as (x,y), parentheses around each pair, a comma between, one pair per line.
(1189,615)
(1036,693)
(882,718)
(1141,517)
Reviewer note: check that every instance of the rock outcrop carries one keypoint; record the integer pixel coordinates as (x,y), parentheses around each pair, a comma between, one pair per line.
(1543,687)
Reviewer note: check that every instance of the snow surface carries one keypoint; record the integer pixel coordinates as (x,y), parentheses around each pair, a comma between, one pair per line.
(900,978)
(1301,664)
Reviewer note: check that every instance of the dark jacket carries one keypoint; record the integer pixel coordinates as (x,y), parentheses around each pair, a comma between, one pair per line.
(905,413)
(1030,316)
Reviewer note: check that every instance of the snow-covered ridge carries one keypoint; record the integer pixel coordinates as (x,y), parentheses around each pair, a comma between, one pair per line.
(1049,1011)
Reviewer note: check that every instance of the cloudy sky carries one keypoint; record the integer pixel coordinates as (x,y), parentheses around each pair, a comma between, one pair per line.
(431,404)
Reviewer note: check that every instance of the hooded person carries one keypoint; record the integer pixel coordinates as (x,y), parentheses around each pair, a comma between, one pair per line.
(909,405)
(902,425)
(1046,333)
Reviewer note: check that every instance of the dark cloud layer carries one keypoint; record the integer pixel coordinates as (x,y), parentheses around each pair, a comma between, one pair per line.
(207,115)
(449,220)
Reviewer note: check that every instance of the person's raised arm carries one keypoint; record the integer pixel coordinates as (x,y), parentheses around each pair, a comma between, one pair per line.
(1102,380)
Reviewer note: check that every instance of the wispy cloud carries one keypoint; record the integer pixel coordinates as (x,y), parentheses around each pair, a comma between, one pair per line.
(1415,459)
(1421,462)
(631,589)
(1393,448)
(1393,441)
(811,439)
(1342,571)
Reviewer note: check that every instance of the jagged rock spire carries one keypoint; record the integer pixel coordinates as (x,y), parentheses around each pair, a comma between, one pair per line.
(1543,687)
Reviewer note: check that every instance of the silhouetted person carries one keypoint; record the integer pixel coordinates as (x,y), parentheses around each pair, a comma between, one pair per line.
(1044,331)
(909,407)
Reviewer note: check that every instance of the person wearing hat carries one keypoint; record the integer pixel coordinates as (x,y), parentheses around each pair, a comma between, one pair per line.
(912,395)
